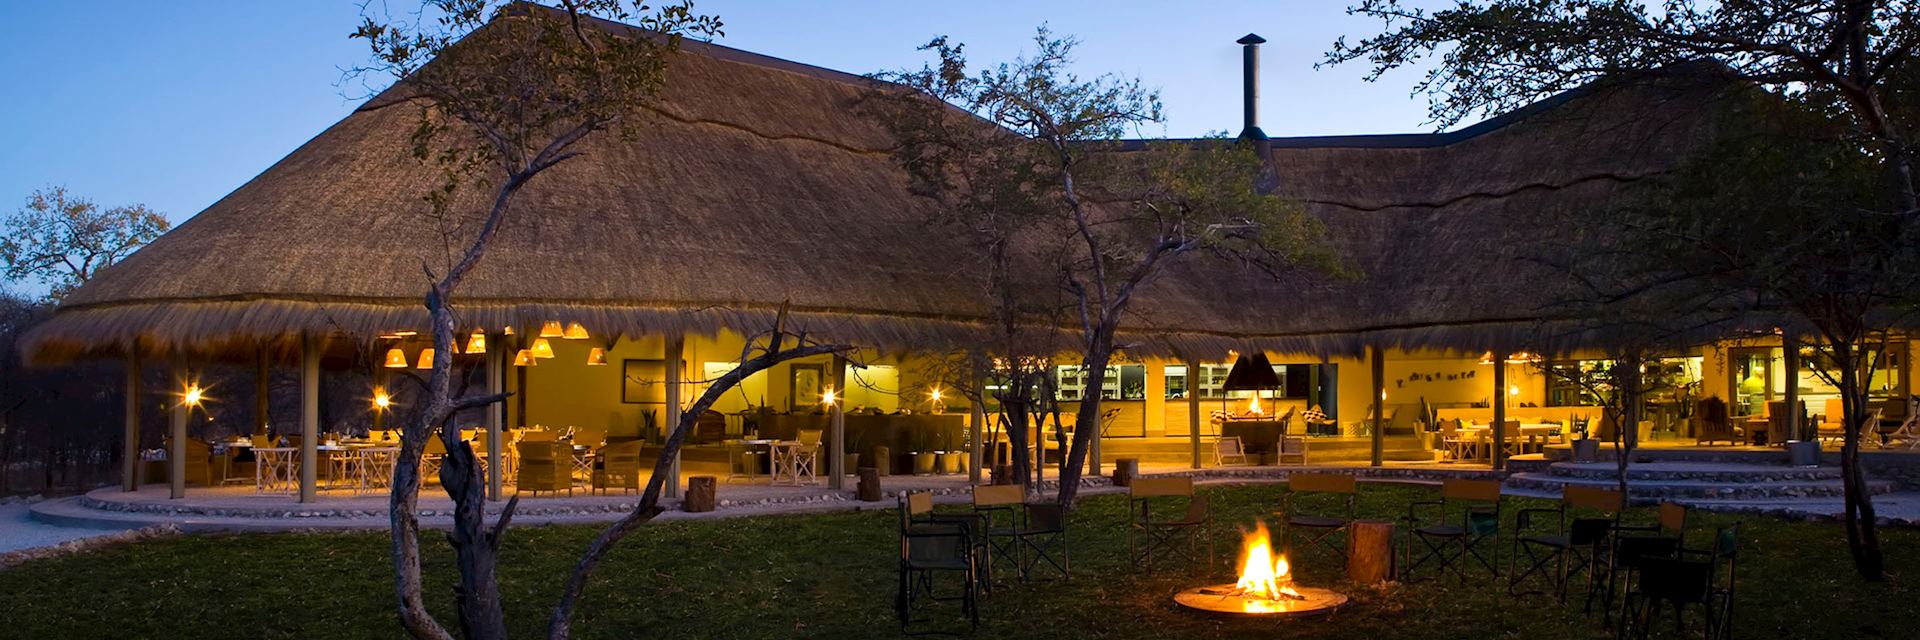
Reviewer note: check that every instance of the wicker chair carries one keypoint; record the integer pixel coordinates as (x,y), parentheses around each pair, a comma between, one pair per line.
(1711,424)
(618,466)
(546,466)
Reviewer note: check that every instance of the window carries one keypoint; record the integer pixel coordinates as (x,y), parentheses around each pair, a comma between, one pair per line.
(1297,381)
(1121,382)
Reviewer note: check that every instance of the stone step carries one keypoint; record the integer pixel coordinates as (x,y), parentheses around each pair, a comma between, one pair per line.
(1704,472)
(1548,485)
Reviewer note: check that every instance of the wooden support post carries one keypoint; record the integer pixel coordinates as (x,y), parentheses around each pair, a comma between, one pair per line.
(1125,470)
(1378,359)
(496,358)
(676,346)
(869,490)
(309,418)
(977,422)
(1370,556)
(377,374)
(1499,454)
(700,494)
(177,444)
(262,376)
(1790,350)
(1193,407)
(837,426)
(130,448)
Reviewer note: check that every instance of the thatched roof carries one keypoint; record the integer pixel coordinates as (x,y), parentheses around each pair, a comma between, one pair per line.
(755,183)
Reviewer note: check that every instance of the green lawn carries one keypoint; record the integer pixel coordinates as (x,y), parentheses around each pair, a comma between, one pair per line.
(832,576)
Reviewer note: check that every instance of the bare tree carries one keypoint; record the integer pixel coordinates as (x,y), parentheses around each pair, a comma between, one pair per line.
(505,94)
(62,240)
(1049,179)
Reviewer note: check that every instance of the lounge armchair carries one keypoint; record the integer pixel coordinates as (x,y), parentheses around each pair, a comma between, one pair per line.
(618,466)
(546,466)
(1711,424)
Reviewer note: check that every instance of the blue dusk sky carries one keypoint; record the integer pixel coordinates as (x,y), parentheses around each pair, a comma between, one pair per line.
(175,104)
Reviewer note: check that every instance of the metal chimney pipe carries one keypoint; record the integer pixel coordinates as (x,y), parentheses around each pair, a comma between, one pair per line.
(1250,86)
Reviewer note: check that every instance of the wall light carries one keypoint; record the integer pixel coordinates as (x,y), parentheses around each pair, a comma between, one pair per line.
(396,359)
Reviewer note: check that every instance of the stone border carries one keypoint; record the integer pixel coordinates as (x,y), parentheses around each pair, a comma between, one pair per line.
(12,559)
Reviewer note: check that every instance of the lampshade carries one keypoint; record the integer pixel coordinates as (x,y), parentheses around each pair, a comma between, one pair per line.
(477,343)
(596,357)
(1251,372)
(551,329)
(524,359)
(396,359)
(575,331)
(507,330)
(426,359)
(542,348)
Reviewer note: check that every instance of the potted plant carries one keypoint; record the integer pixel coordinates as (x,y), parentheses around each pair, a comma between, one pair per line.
(1804,452)
(923,452)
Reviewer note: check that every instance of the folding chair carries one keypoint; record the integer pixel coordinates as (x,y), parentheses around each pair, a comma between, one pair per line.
(1691,577)
(1634,545)
(929,546)
(1044,532)
(1319,529)
(999,531)
(1229,449)
(1293,449)
(1477,503)
(1570,546)
(1164,536)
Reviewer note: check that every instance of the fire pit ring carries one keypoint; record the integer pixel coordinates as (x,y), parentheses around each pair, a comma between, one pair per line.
(1226,599)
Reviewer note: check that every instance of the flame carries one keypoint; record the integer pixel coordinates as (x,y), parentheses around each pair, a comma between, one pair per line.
(1253,405)
(1264,577)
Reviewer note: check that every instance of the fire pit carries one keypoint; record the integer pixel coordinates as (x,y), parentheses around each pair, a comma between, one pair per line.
(1265,587)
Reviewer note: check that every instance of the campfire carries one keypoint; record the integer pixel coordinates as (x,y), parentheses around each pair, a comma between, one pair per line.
(1265,586)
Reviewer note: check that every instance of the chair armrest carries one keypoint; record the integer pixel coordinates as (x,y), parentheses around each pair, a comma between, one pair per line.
(1525,517)
(1413,507)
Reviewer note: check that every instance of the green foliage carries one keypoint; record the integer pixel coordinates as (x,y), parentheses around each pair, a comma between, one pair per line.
(831,576)
(61,240)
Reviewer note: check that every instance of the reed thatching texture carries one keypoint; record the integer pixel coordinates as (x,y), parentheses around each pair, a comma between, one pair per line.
(755,183)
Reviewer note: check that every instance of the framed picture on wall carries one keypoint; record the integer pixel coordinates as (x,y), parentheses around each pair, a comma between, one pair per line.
(643,381)
(803,390)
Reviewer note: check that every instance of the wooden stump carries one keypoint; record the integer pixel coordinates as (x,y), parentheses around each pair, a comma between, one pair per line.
(700,494)
(1370,551)
(1124,470)
(869,490)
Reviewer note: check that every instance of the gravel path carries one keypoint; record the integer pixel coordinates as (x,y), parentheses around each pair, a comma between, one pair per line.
(18,529)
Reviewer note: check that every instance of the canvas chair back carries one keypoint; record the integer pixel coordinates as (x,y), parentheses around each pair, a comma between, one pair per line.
(1595,498)
(1294,445)
(1158,487)
(261,441)
(1450,429)
(998,494)
(1475,490)
(1673,517)
(435,447)
(1321,483)
(1229,446)
(810,437)
(539,435)
(919,502)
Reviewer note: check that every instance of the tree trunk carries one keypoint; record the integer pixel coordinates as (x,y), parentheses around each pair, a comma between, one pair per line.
(1099,354)
(1863,538)
(1627,434)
